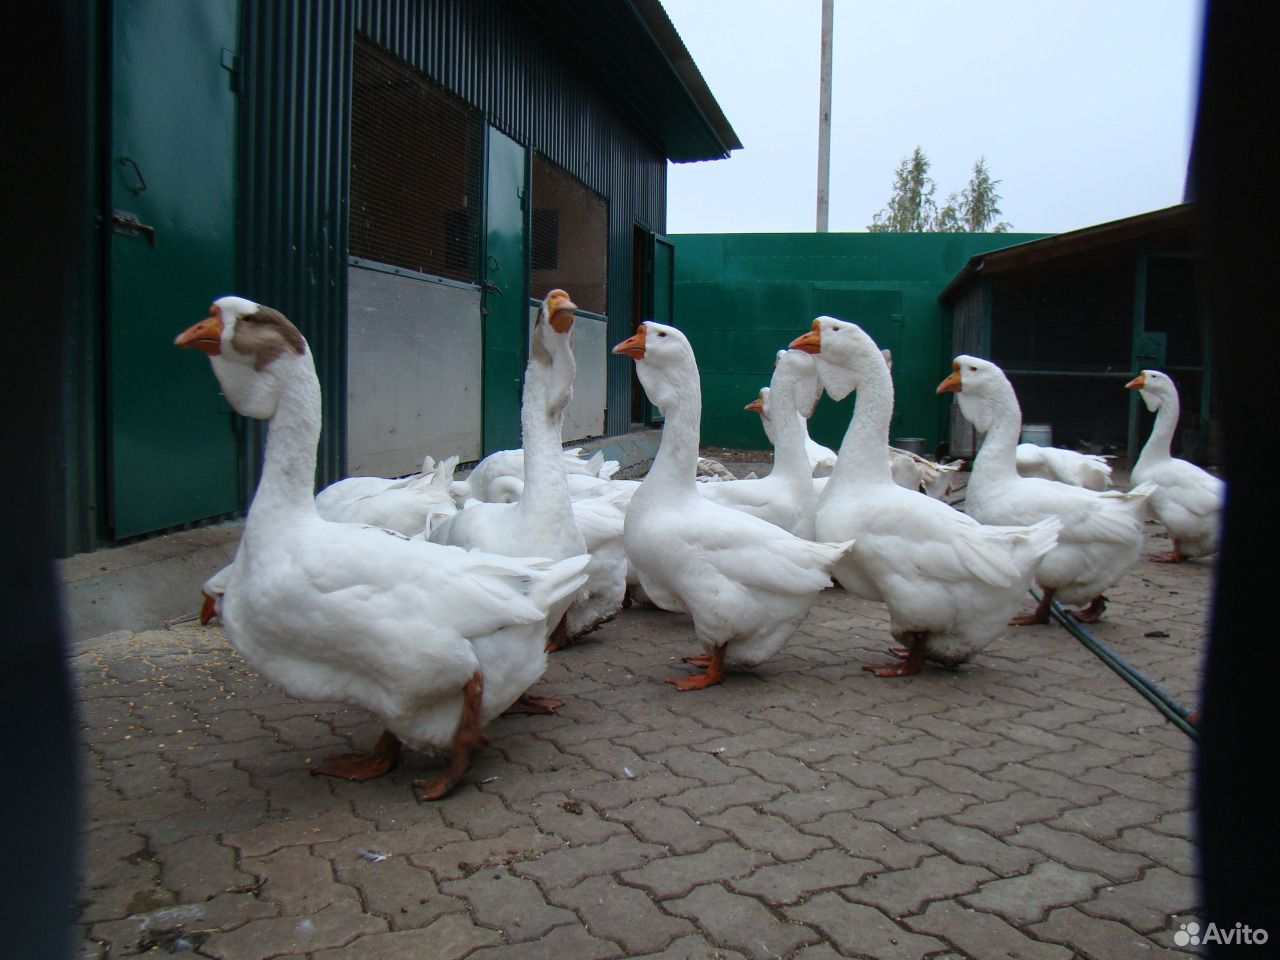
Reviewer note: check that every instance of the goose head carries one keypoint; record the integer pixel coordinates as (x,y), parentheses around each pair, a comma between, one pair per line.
(760,404)
(554,322)
(250,347)
(846,356)
(664,363)
(551,342)
(1156,388)
(981,389)
(797,372)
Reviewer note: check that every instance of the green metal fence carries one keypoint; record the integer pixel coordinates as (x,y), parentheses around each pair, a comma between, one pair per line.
(741,297)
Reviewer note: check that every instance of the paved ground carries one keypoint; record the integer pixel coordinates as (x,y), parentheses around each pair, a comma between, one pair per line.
(1029,805)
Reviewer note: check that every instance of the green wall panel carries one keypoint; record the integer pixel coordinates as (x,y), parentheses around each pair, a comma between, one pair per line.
(742,297)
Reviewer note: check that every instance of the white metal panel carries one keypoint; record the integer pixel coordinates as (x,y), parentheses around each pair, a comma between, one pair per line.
(584,416)
(414,357)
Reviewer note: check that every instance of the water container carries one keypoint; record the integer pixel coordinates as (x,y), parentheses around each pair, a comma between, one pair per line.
(911,445)
(1041,434)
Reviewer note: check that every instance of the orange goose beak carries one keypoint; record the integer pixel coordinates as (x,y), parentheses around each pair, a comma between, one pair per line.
(633,346)
(205,336)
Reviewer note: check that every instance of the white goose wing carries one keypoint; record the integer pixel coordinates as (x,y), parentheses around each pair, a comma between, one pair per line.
(758,554)
(1112,516)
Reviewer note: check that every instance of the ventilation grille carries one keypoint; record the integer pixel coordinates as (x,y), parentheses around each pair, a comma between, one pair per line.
(570,238)
(415,170)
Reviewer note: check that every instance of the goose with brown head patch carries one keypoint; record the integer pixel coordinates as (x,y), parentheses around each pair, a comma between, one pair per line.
(435,641)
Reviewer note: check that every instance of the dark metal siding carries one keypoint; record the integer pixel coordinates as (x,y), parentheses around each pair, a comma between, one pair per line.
(493,55)
(295,61)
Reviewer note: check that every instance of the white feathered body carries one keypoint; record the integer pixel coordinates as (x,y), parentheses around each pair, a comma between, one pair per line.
(1101,530)
(1187,499)
(1087,470)
(745,582)
(939,572)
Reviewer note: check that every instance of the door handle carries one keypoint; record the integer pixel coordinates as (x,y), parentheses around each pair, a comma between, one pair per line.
(129,224)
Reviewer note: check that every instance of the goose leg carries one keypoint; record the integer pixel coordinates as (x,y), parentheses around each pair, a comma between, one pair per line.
(208,610)
(912,664)
(468,738)
(714,673)
(1042,611)
(360,767)
(559,638)
(1174,557)
(1093,612)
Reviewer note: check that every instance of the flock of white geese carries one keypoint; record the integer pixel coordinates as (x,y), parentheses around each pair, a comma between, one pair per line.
(433,602)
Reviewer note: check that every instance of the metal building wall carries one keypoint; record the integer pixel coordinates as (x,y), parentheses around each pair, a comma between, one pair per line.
(493,55)
(295,63)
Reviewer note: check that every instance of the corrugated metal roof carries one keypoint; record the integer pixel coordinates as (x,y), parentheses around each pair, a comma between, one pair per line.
(1085,240)
(636,57)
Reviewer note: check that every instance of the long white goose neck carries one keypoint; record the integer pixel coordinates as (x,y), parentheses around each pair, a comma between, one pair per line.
(545,395)
(289,466)
(864,453)
(997,458)
(790,460)
(675,467)
(1159,445)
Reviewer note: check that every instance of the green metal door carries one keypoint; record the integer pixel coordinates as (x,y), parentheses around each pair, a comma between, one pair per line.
(506,311)
(660,296)
(172,453)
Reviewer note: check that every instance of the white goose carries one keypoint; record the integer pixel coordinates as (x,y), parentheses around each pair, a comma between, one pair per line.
(542,521)
(1088,470)
(410,505)
(1187,499)
(950,583)
(1101,530)
(435,641)
(786,495)
(499,477)
(745,582)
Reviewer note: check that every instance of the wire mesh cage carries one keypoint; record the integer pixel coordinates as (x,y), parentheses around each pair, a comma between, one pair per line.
(569,245)
(416,153)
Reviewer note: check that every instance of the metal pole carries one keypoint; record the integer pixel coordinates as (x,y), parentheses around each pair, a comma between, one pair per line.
(824,119)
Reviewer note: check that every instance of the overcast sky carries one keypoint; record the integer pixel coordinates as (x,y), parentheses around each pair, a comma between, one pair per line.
(1082,108)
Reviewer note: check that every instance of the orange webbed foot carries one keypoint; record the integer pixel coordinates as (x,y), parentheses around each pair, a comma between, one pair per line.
(359,767)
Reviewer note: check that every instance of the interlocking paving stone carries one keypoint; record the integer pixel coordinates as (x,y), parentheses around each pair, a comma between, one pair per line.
(983,934)
(867,839)
(655,822)
(1103,939)
(676,876)
(975,847)
(1024,899)
(623,914)
(1145,905)
(860,930)
(451,937)
(768,834)
(1028,804)
(334,926)
(1080,852)
(788,883)
(509,903)
(741,922)
(902,892)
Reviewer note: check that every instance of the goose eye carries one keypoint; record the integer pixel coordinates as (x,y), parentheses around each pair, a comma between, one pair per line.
(661,334)
(973,369)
